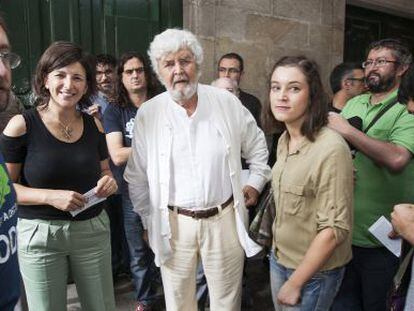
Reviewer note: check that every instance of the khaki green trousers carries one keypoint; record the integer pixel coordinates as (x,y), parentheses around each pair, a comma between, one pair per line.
(48,249)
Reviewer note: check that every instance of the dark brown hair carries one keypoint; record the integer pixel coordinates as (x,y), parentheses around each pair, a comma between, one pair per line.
(235,56)
(317,110)
(58,55)
(399,49)
(152,83)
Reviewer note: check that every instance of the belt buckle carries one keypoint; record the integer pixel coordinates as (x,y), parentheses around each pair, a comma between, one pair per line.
(200,214)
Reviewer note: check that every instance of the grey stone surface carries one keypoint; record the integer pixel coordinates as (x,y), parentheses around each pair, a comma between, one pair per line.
(264,30)
(208,67)
(277,31)
(261,6)
(302,10)
(333,13)
(320,38)
(231,22)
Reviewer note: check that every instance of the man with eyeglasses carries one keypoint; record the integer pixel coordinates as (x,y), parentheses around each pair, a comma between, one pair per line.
(347,80)
(384,172)
(231,65)
(136,85)
(9,269)
(106,85)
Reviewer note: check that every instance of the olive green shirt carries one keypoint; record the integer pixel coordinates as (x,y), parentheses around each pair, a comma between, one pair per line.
(313,190)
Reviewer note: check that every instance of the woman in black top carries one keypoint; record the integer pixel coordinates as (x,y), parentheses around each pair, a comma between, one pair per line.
(55,154)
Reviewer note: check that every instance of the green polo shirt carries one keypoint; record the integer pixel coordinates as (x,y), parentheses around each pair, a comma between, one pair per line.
(377,190)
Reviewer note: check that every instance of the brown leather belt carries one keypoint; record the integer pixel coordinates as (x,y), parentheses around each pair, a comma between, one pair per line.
(203,213)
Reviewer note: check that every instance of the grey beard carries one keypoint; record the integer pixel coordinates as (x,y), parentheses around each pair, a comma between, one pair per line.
(383,85)
(185,94)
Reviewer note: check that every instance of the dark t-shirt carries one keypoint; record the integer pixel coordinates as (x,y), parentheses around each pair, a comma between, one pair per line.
(120,119)
(9,269)
(252,103)
(333,109)
(49,163)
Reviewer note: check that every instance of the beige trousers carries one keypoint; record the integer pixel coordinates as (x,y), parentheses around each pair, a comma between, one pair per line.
(214,241)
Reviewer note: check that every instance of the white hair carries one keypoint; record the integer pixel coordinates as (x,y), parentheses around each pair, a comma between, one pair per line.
(171,41)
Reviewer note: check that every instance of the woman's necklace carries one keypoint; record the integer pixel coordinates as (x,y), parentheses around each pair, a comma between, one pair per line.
(66,129)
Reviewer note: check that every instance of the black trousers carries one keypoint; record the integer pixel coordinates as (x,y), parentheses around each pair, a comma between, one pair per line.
(368,278)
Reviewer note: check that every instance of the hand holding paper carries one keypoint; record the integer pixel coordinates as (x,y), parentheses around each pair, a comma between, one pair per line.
(380,230)
(91,199)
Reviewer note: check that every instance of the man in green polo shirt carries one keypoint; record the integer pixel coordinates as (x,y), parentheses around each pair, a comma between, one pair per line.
(384,173)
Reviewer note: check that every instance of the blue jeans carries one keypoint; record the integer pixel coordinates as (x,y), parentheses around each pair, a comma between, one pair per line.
(119,246)
(143,270)
(317,294)
(368,278)
(202,289)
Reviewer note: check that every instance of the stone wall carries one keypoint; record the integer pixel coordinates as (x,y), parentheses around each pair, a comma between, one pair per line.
(262,31)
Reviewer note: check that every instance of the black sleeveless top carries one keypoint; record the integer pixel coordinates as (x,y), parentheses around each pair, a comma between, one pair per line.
(49,163)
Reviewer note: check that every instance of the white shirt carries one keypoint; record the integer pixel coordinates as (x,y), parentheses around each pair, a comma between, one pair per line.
(148,171)
(200,176)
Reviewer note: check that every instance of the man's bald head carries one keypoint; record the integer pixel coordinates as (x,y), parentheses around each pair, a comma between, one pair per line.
(227,84)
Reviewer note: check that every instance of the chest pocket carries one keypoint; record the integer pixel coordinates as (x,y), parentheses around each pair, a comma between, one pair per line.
(293,199)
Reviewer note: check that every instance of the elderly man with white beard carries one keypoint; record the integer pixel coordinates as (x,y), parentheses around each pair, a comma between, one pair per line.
(184,176)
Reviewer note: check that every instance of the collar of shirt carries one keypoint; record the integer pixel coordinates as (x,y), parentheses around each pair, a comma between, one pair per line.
(181,112)
(390,98)
(284,148)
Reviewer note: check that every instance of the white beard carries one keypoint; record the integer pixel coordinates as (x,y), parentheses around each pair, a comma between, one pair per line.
(184,94)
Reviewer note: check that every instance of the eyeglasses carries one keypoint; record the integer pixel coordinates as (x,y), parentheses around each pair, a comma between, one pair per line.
(356,79)
(10,59)
(138,70)
(381,62)
(230,70)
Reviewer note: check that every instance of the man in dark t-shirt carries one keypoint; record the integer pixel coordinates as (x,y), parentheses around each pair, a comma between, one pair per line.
(231,65)
(135,86)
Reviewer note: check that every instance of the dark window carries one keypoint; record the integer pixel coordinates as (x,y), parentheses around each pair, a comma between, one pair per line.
(363,26)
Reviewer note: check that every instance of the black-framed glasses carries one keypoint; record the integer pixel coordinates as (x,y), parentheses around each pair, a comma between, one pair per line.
(356,79)
(381,62)
(231,70)
(10,59)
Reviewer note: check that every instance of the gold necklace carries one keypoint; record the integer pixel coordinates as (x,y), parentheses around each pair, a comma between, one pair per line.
(66,130)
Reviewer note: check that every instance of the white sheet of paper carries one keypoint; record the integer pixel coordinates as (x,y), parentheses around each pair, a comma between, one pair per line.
(91,200)
(244,176)
(380,230)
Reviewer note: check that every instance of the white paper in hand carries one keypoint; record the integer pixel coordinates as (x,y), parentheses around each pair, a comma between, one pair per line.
(91,199)
(380,230)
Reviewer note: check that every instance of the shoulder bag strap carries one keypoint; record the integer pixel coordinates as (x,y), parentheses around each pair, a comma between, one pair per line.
(379,115)
(403,267)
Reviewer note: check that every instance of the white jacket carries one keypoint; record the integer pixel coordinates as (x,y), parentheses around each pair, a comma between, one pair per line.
(148,168)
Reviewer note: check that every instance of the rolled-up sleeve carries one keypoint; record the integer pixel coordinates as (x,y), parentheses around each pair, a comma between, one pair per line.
(136,173)
(335,194)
